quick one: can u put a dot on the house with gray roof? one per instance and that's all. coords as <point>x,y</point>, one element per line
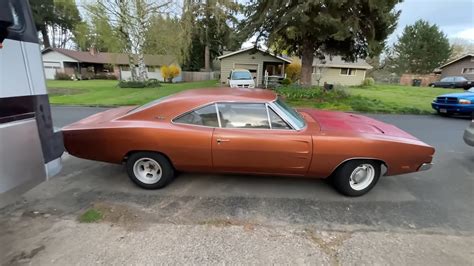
<point>334,70</point>
<point>88,64</point>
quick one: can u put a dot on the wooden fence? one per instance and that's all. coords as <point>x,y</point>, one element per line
<point>199,76</point>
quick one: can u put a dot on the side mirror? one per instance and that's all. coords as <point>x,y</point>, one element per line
<point>6,19</point>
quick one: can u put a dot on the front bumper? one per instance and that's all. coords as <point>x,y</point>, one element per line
<point>425,167</point>
<point>453,108</point>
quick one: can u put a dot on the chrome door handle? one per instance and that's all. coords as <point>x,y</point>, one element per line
<point>222,140</point>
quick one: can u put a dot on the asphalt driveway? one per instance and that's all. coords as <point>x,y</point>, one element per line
<point>440,199</point>
<point>434,203</point>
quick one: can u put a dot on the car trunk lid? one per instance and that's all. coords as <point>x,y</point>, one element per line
<point>100,118</point>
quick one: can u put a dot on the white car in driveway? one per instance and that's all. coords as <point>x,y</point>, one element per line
<point>241,78</point>
<point>469,134</point>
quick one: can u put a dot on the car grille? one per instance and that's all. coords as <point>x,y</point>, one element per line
<point>452,100</point>
<point>243,86</point>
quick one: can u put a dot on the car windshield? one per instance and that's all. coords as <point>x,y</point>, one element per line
<point>241,75</point>
<point>291,113</point>
<point>471,89</point>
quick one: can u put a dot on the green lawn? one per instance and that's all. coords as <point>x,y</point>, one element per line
<point>107,93</point>
<point>373,99</point>
<point>397,96</point>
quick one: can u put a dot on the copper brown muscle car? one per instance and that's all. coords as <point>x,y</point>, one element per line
<point>247,131</point>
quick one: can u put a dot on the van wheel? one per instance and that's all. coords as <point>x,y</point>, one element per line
<point>149,170</point>
<point>357,177</point>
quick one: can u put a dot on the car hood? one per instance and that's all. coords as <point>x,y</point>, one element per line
<point>469,95</point>
<point>331,121</point>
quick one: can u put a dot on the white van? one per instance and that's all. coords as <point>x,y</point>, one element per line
<point>30,149</point>
<point>241,78</point>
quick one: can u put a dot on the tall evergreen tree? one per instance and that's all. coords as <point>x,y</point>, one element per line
<point>351,29</point>
<point>421,48</point>
<point>209,29</point>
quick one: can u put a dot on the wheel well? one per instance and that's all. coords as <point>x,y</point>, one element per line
<point>383,170</point>
<point>135,151</point>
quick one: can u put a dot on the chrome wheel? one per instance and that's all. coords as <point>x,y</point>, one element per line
<point>362,177</point>
<point>147,170</point>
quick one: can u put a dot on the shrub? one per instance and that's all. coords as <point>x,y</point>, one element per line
<point>100,76</point>
<point>151,83</point>
<point>368,82</point>
<point>170,72</point>
<point>286,82</point>
<point>62,76</point>
<point>295,92</point>
<point>293,70</point>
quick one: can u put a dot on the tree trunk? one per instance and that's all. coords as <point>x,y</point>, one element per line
<point>44,33</point>
<point>142,74</point>
<point>307,64</point>
<point>207,58</point>
<point>132,65</point>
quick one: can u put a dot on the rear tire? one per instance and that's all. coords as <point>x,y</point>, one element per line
<point>149,170</point>
<point>357,177</point>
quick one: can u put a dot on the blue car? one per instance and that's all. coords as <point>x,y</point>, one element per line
<point>460,103</point>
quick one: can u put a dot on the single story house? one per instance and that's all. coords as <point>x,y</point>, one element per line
<point>87,64</point>
<point>461,66</point>
<point>334,70</point>
<point>256,60</point>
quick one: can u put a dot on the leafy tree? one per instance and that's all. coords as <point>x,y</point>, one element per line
<point>209,29</point>
<point>421,48</point>
<point>132,20</point>
<point>97,32</point>
<point>56,20</point>
<point>460,47</point>
<point>164,36</point>
<point>351,29</point>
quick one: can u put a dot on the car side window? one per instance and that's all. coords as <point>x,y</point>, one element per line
<point>243,115</point>
<point>276,121</point>
<point>460,79</point>
<point>205,116</point>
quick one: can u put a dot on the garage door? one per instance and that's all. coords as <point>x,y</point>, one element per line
<point>50,69</point>
<point>253,68</point>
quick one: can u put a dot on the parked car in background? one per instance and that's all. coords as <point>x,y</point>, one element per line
<point>249,132</point>
<point>460,103</point>
<point>469,134</point>
<point>453,82</point>
<point>241,78</point>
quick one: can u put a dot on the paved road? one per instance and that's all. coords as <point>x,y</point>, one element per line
<point>440,199</point>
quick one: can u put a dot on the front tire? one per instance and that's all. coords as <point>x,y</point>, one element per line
<point>356,178</point>
<point>149,170</point>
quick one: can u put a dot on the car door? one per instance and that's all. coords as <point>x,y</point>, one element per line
<point>247,143</point>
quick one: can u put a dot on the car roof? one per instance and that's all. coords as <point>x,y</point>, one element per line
<point>225,94</point>
<point>240,69</point>
<point>191,99</point>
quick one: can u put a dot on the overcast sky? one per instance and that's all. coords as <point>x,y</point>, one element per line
<point>454,17</point>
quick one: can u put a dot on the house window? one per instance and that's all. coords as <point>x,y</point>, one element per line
<point>348,72</point>
<point>151,69</point>
<point>125,68</point>
<point>468,70</point>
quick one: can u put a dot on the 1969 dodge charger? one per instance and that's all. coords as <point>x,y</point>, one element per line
<point>246,131</point>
